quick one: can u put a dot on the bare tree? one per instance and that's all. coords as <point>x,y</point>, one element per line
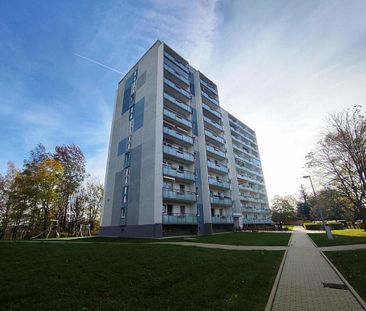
<point>340,158</point>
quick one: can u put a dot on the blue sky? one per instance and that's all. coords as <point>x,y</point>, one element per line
<point>280,66</point>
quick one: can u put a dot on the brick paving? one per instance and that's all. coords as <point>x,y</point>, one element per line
<point>300,286</point>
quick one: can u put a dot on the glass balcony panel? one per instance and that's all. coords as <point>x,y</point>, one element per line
<point>176,74</point>
<point>178,153</point>
<point>214,137</point>
<point>216,151</point>
<point>179,64</point>
<point>222,219</point>
<point>219,183</point>
<point>185,175</point>
<point>213,90</point>
<point>178,103</point>
<point>183,121</point>
<point>181,137</point>
<point>176,195</point>
<point>217,167</point>
<point>212,100</point>
<point>177,88</point>
<point>214,112</point>
<point>214,124</point>
<point>180,219</point>
<point>216,200</point>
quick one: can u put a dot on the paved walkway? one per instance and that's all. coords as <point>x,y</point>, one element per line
<point>300,286</point>
<point>342,247</point>
<point>227,247</point>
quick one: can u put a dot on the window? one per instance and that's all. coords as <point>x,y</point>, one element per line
<point>127,156</point>
<point>182,209</point>
<point>181,188</point>
<point>163,208</point>
<point>221,211</point>
<point>131,112</point>
<point>127,171</point>
<point>130,129</point>
<point>169,209</point>
<point>124,199</point>
<point>181,168</point>
<point>123,212</point>
<point>126,179</point>
<point>125,189</point>
<point>168,185</point>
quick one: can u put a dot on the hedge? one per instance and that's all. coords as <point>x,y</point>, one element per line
<point>319,226</point>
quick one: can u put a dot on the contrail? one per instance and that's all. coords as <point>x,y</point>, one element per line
<point>98,63</point>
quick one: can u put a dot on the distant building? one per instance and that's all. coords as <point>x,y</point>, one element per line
<point>178,163</point>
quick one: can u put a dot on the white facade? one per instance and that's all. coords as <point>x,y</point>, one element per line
<point>178,163</point>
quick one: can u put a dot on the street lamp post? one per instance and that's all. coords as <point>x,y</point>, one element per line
<point>326,228</point>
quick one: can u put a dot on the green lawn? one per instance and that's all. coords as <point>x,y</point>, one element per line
<point>102,276</point>
<point>341,237</point>
<point>352,265</point>
<point>234,238</point>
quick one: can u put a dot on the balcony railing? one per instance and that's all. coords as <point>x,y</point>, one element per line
<point>222,219</point>
<point>215,137</point>
<point>181,137</point>
<point>214,112</point>
<point>187,156</point>
<point>176,74</point>
<point>212,100</point>
<point>219,183</point>
<point>185,175</point>
<point>213,90</point>
<point>250,162</point>
<point>216,200</point>
<point>214,124</point>
<point>244,168</point>
<point>177,88</point>
<point>179,64</point>
<point>172,116</point>
<point>216,151</point>
<point>247,221</point>
<point>217,167</point>
<point>178,103</point>
<point>177,195</point>
<point>180,219</point>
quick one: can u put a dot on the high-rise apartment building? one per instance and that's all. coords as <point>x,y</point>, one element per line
<point>178,163</point>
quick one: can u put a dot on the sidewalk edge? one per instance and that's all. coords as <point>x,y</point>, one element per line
<point>351,289</point>
<point>275,284</point>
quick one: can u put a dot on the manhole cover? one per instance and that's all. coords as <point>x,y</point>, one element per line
<point>335,285</point>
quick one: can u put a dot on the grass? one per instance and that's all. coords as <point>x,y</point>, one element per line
<point>102,276</point>
<point>352,266</point>
<point>234,238</point>
<point>341,237</point>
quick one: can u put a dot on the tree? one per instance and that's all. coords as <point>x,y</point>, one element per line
<point>73,161</point>
<point>283,209</point>
<point>303,207</point>
<point>94,192</point>
<point>339,160</point>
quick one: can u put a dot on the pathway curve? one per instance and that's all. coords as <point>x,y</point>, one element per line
<point>301,282</point>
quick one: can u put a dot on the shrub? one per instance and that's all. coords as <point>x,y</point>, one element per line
<point>313,226</point>
<point>334,225</point>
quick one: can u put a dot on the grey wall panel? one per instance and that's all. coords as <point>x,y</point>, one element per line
<point>117,198</point>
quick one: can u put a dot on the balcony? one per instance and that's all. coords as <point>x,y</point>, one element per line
<point>209,98</point>
<point>213,125</point>
<point>246,178</point>
<point>244,168</point>
<point>176,75</point>
<point>250,162</point>
<point>177,136</point>
<point>179,196</point>
<point>216,219</point>
<point>176,104</point>
<point>223,201</point>
<point>212,137</point>
<point>216,152</point>
<point>175,153</point>
<point>217,167</point>
<point>212,111</point>
<point>178,91</point>
<point>176,62</point>
<point>257,221</point>
<point>221,184</point>
<point>177,174</point>
<point>183,122</point>
<point>179,219</point>
<point>213,90</point>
